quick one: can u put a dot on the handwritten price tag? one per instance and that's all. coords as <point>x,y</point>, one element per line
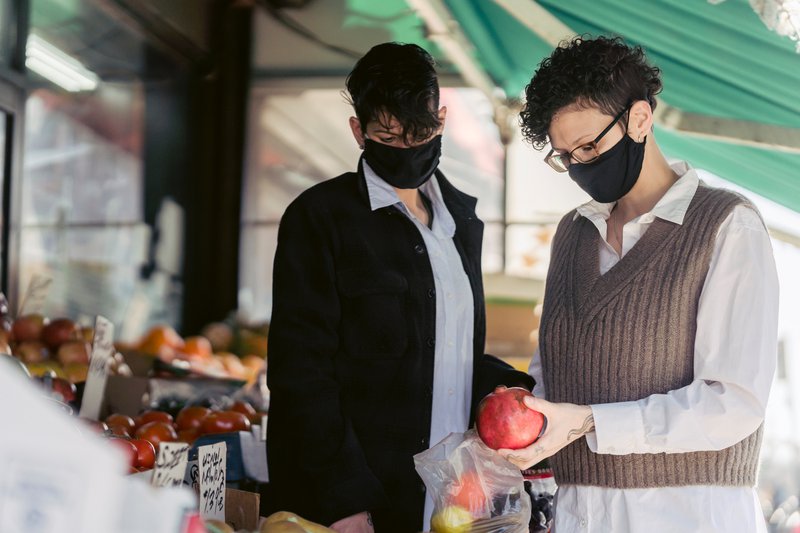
<point>102,351</point>
<point>170,468</point>
<point>212,460</point>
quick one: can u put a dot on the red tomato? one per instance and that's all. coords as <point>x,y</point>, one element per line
<point>188,435</point>
<point>256,418</point>
<point>94,425</point>
<point>225,422</point>
<point>243,407</point>
<point>157,432</point>
<point>117,419</point>
<point>119,430</point>
<point>153,416</point>
<point>191,417</point>
<point>127,448</point>
<point>145,453</point>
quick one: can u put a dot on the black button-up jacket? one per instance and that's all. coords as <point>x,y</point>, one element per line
<point>351,353</point>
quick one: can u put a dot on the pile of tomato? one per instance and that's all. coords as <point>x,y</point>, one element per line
<point>140,436</point>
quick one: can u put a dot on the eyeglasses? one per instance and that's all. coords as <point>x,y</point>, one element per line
<point>585,153</point>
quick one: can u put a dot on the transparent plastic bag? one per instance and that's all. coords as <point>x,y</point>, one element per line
<point>473,488</point>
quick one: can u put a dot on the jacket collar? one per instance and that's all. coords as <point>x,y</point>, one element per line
<point>460,205</point>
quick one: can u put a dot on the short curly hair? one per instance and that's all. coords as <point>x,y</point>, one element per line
<point>602,72</point>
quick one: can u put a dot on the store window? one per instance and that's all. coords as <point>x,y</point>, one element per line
<point>300,137</point>
<point>82,220</point>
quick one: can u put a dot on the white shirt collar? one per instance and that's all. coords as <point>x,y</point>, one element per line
<point>381,195</point>
<point>671,207</point>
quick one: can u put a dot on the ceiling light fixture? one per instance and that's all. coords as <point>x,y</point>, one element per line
<point>60,68</point>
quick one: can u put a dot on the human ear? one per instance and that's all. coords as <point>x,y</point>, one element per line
<point>355,127</point>
<point>640,122</point>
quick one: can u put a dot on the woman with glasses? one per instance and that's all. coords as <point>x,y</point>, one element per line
<point>657,343</point>
<point>378,327</point>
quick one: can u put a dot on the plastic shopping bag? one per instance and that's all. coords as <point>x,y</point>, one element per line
<point>473,488</point>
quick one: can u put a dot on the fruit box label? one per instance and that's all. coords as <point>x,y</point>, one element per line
<point>212,461</point>
<point>170,467</point>
<point>102,351</point>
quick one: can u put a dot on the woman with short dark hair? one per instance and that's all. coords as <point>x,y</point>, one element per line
<point>658,337</point>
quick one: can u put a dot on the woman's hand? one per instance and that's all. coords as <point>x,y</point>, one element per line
<point>357,523</point>
<point>566,422</point>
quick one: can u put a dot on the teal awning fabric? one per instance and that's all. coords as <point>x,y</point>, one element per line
<point>717,60</point>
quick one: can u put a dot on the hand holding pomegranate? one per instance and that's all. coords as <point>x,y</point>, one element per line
<point>566,422</point>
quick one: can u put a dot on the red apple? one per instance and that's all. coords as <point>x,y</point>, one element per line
<point>28,328</point>
<point>74,352</point>
<point>59,331</point>
<point>504,421</point>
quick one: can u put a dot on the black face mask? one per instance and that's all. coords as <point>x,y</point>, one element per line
<point>612,175</point>
<point>404,168</point>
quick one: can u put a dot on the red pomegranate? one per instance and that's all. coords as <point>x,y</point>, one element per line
<point>504,421</point>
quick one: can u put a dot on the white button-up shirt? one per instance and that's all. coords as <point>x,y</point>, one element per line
<point>734,363</point>
<point>452,370</point>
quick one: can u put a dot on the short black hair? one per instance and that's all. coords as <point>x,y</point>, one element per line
<point>398,79</point>
<point>602,72</point>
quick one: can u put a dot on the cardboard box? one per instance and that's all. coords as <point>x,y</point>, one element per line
<point>241,509</point>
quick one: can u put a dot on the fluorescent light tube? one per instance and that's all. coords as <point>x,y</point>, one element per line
<point>64,70</point>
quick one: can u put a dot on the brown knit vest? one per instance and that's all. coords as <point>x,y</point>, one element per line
<point>629,334</point>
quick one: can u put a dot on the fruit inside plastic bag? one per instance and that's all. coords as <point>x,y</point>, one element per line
<point>473,488</point>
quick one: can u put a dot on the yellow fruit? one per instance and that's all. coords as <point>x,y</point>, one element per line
<point>452,519</point>
<point>282,519</point>
<point>284,526</point>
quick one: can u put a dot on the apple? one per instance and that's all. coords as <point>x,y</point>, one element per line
<point>504,421</point>
<point>468,492</point>
<point>452,519</point>
<point>28,328</point>
<point>32,352</point>
<point>59,331</point>
<point>74,352</point>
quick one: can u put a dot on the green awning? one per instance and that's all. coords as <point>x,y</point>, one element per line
<point>717,60</point>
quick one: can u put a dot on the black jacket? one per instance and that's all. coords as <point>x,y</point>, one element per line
<point>351,352</point>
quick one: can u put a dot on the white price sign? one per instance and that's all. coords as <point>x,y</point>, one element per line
<point>212,461</point>
<point>170,467</point>
<point>102,351</point>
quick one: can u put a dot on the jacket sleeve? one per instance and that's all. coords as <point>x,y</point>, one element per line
<point>315,434</point>
<point>493,372</point>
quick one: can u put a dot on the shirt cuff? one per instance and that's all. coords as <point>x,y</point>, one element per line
<point>618,429</point>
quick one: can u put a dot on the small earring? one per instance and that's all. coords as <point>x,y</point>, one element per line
<point>640,138</point>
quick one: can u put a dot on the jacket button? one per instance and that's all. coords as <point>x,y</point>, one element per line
<point>419,249</point>
<point>431,293</point>
<point>431,343</point>
<point>422,488</point>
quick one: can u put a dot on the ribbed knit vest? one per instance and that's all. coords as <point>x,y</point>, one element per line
<point>629,334</point>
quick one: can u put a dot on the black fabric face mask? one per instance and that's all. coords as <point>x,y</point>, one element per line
<point>613,174</point>
<point>404,168</point>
